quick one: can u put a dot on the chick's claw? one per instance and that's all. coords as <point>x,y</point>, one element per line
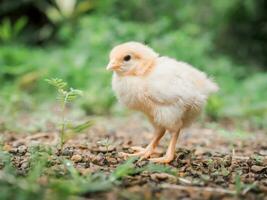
<point>162,160</point>
<point>137,148</point>
<point>143,153</point>
<point>130,154</point>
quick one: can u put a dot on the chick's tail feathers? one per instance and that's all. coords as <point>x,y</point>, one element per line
<point>210,86</point>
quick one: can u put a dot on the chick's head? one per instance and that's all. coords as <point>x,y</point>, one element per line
<point>132,59</point>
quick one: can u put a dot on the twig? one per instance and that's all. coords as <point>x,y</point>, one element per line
<point>185,181</point>
<point>199,189</point>
<point>241,157</point>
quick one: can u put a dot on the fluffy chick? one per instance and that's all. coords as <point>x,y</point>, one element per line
<point>170,93</point>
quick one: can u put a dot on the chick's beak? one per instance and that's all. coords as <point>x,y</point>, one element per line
<point>113,65</point>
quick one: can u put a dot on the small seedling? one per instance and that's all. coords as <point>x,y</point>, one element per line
<point>105,143</point>
<point>65,96</point>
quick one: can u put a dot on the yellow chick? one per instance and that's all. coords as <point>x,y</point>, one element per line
<point>170,93</point>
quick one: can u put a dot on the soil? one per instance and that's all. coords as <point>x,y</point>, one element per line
<point>211,162</point>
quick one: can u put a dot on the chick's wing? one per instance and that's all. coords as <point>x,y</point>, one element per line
<point>168,85</point>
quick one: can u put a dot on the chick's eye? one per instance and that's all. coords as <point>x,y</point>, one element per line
<point>127,58</point>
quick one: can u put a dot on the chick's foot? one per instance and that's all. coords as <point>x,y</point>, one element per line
<point>162,160</point>
<point>141,152</point>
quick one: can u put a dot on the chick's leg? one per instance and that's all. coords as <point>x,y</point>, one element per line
<point>169,156</point>
<point>146,152</point>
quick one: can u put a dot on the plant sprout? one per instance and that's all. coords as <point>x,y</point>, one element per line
<point>105,142</point>
<point>67,95</point>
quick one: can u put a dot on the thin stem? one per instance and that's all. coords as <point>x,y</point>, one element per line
<point>62,132</point>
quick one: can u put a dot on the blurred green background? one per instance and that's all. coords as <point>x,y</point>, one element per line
<point>71,39</point>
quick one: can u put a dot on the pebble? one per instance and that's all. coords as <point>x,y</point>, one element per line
<point>256,168</point>
<point>67,152</point>
<point>112,161</point>
<point>76,158</point>
<point>24,165</point>
<point>142,163</point>
<point>99,159</point>
<point>104,149</point>
<point>160,176</point>
<point>84,171</point>
<point>83,165</point>
<point>22,149</point>
<point>263,152</point>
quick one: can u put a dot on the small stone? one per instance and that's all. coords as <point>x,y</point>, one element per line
<point>76,158</point>
<point>53,160</point>
<point>104,149</point>
<point>94,168</point>
<point>256,168</point>
<point>67,152</point>
<point>24,165</point>
<point>142,163</point>
<point>145,174</point>
<point>22,149</point>
<point>82,165</point>
<point>85,171</point>
<point>99,159</point>
<point>263,152</point>
<point>160,176</point>
<point>112,161</point>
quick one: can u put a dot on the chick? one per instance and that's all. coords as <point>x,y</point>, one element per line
<point>170,93</point>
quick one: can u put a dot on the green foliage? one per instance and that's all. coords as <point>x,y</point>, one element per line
<point>246,36</point>
<point>76,184</point>
<point>156,168</point>
<point>64,96</point>
<point>14,186</point>
<point>40,183</point>
<point>9,31</point>
<point>125,169</point>
<point>242,188</point>
<point>30,186</point>
<point>128,168</point>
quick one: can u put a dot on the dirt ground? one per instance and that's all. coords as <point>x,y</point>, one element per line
<point>210,163</point>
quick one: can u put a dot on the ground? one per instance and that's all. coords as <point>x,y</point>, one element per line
<point>211,162</point>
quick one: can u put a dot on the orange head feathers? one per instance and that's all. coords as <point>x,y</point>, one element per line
<point>132,59</point>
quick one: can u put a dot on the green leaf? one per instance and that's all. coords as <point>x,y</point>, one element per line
<point>127,168</point>
<point>151,167</point>
<point>57,83</point>
<point>19,25</point>
<point>81,127</point>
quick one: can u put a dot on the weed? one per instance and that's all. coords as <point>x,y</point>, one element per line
<point>242,188</point>
<point>125,169</point>
<point>65,96</point>
<point>105,142</point>
<point>9,32</point>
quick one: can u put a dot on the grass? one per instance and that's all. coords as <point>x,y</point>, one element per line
<point>41,181</point>
<point>33,170</point>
